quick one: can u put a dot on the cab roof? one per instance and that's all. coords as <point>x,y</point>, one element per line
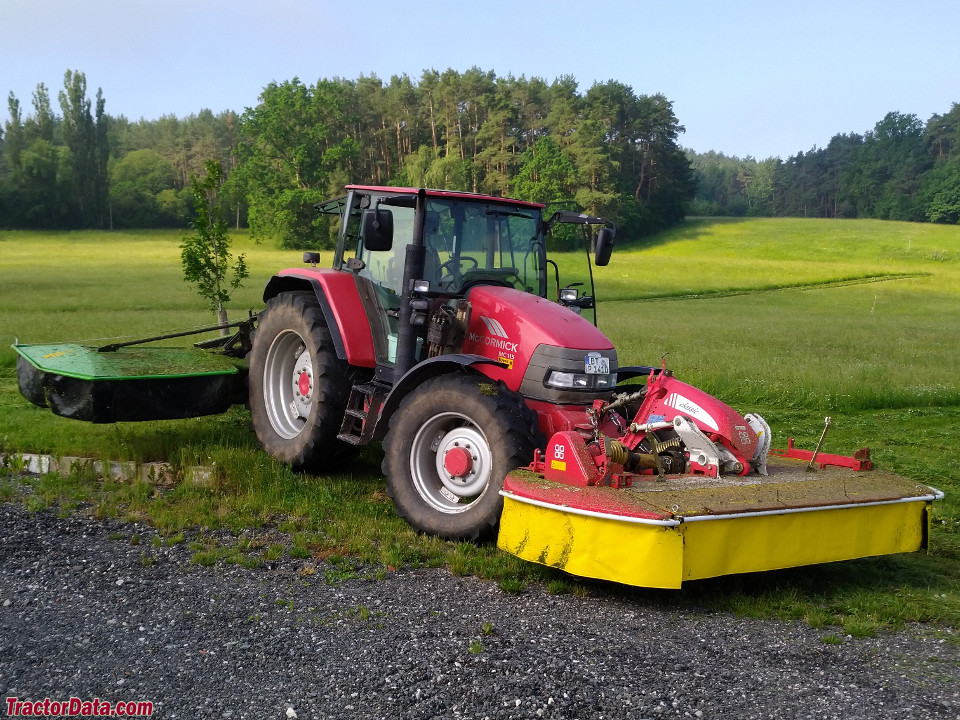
<point>444,194</point>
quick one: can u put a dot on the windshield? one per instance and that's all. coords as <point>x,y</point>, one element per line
<point>468,242</point>
<point>474,242</point>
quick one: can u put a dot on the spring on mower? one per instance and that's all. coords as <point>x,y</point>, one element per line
<point>666,445</point>
<point>617,452</point>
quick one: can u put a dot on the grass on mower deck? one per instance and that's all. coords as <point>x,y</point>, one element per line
<point>795,319</point>
<point>138,361</point>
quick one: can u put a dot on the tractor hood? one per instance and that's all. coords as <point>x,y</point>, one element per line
<point>529,337</point>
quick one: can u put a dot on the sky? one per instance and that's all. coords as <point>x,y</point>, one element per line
<point>746,78</point>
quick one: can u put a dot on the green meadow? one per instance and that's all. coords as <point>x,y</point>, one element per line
<point>796,319</point>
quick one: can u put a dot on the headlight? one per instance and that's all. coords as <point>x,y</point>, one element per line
<point>579,381</point>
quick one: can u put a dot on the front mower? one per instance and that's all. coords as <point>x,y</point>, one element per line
<point>688,489</point>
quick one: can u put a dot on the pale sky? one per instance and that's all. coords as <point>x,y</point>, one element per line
<point>762,78</point>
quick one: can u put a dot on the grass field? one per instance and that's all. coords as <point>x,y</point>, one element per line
<point>795,319</point>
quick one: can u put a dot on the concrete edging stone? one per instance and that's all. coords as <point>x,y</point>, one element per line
<point>126,471</point>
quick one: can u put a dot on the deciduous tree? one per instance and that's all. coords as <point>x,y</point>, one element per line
<point>205,254</point>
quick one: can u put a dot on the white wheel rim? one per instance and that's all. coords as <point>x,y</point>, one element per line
<point>288,384</point>
<point>438,488</point>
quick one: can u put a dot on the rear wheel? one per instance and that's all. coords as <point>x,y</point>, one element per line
<point>298,386</point>
<point>450,445</point>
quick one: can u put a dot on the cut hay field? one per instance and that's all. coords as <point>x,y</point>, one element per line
<point>795,319</point>
<point>816,314</point>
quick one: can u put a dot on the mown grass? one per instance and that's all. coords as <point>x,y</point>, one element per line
<point>706,256</point>
<point>795,319</point>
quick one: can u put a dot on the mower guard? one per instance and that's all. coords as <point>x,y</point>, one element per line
<point>127,384</point>
<point>660,534</point>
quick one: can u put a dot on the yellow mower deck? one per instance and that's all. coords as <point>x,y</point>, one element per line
<point>660,534</point>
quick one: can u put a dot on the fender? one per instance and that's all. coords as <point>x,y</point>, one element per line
<point>341,305</point>
<point>433,367</point>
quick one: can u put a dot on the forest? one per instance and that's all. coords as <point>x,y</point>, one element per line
<point>606,151</point>
<point>902,169</point>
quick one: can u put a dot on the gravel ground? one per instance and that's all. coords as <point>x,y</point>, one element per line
<point>81,615</point>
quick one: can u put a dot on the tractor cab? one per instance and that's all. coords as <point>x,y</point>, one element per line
<point>467,240</point>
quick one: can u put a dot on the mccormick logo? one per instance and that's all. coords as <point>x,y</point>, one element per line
<point>494,327</point>
<point>500,339</point>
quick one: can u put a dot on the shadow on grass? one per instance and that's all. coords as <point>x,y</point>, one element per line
<point>692,228</point>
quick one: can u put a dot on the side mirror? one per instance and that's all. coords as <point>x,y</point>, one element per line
<point>604,245</point>
<point>377,229</point>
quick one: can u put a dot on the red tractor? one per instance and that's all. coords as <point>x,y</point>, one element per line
<point>435,337</point>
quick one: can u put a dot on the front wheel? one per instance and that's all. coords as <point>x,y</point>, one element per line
<point>449,447</point>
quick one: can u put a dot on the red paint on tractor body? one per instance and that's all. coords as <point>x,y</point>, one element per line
<point>558,418</point>
<point>340,291</point>
<point>508,325</point>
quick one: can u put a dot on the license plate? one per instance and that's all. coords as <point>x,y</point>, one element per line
<point>596,364</point>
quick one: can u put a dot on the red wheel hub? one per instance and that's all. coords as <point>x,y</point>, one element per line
<point>458,461</point>
<point>303,384</point>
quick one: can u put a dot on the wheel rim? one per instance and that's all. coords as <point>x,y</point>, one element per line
<point>446,444</point>
<point>288,384</point>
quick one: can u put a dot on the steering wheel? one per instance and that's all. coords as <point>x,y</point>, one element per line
<point>450,270</point>
<point>453,264</point>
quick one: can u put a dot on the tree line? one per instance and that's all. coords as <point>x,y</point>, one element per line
<point>606,151</point>
<point>83,168</point>
<point>902,169</point>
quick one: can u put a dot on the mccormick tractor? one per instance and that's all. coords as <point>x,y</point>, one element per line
<point>436,333</point>
<point>442,345</point>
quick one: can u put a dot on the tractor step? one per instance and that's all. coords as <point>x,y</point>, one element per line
<point>364,399</point>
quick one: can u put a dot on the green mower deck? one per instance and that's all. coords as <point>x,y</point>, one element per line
<point>128,384</point>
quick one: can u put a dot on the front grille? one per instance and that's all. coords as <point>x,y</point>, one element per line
<point>547,358</point>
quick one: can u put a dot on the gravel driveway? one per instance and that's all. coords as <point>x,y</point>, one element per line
<point>83,616</point>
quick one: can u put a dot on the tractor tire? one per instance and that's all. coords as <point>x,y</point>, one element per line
<point>298,388</point>
<point>449,446</point>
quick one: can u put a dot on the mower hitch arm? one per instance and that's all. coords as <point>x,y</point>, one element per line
<point>113,347</point>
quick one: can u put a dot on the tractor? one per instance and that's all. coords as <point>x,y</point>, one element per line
<point>433,334</point>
